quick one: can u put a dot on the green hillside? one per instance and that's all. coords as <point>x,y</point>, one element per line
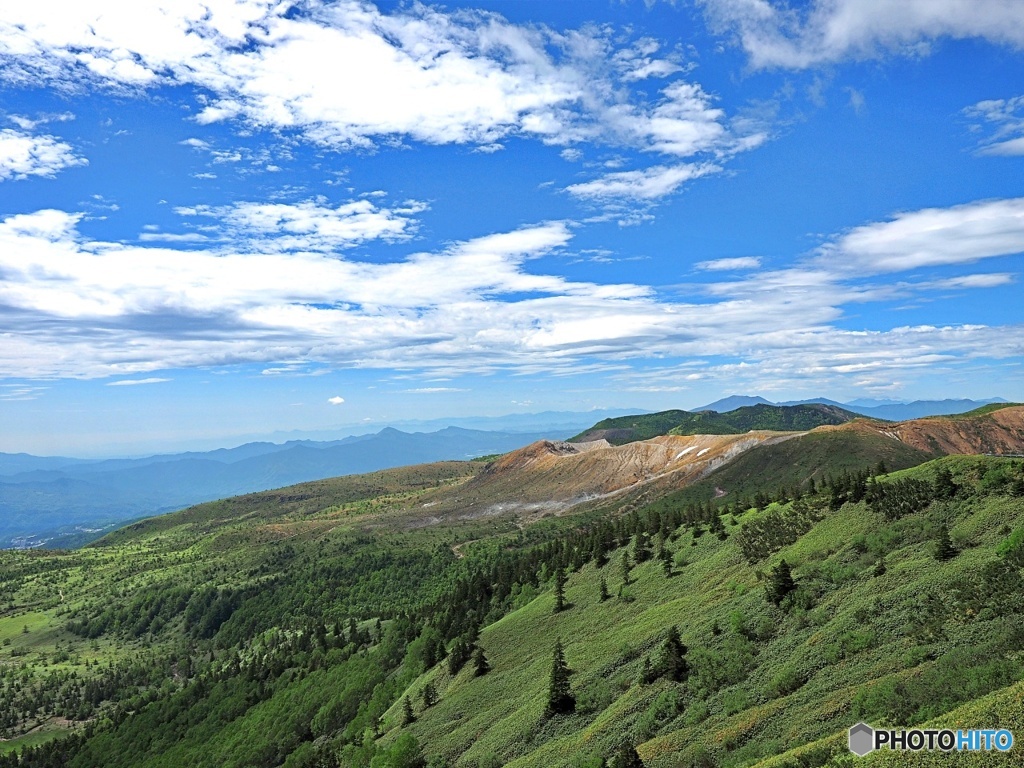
<point>338,624</point>
<point>903,646</point>
<point>780,418</point>
<point>625,429</point>
<point>795,463</point>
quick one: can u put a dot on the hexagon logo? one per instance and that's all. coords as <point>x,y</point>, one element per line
<point>862,739</point>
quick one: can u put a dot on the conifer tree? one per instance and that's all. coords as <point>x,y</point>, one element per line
<point>673,657</point>
<point>648,674</point>
<point>407,714</point>
<point>559,590</point>
<point>604,590</point>
<point>560,697</point>
<point>642,548</point>
<point>458,657</point>
<point>880,567</point>
<point>666,559</point>
<point>944,549</point>
<point>625,566</point>
<point>782,582</point>
<point>480,664</point>
<point>717,527</point>
<point>944,486</point>
<point>429,695</point>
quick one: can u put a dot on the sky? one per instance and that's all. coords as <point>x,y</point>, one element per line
<point>230,218</point>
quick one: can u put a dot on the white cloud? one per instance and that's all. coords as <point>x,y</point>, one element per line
<point>75,307</point>
<point>345,73</point>
<point>987,280</point>
<point>639,62</point>
<point>348,75</point>
<point>1007,148</point>
<point>23,155</point>
<point>30,124</point>
<point>135,382</point>
<point>336,400</point>
<point>433,390</point>
<point>739,262</point>
<point>648,184</point>
<point>775,34</point>
<point>312,225</point>
<point>20,392</point>
<point>168,237</point>
<point>1003,119</point>
<point>931,237</point>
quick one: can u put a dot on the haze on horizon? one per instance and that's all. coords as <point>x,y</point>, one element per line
<point>235,217</point>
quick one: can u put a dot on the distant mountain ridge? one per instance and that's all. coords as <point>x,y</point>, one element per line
<point>890,410</point>
<point>47,499</point>
<point>762,416</point>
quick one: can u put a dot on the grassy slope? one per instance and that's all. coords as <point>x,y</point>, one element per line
<point>232,543</point>
<point>793,462</point>
<point>738,722</point>
<point>860,633</point>
<point>982,411</point>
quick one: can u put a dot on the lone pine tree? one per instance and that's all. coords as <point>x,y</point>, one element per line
<point>559,590</point>
<point>480,664</point>
<point>560,697</point>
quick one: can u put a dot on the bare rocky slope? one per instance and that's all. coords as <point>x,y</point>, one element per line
<point>548,477</point>
<point>551,476</point>
<point>998,432</point>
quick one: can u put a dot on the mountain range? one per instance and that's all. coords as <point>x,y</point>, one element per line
<point>62,502</point>
<point>890,410</point>
<point>732,600</point>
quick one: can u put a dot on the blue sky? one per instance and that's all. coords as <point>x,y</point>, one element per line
<point>235,217</point>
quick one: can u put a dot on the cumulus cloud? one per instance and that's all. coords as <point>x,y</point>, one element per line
<point>775,34</point>
<point>348,75</point>
<point>76,307</point>
<point>336,400</point>
<point>23,155</point>
<point>311,225</point>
